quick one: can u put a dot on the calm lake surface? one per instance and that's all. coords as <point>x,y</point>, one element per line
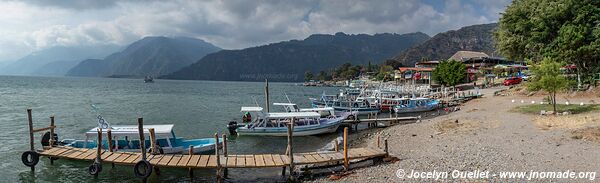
<point>197,108</point>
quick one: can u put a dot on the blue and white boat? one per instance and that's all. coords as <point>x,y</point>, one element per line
<point>126,139</point>
<point>258,122</point>
<point>409,105</point>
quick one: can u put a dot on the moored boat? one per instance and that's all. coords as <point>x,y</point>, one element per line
<point>126,139</point>
<point>416,105</point>
<point>258,122</point>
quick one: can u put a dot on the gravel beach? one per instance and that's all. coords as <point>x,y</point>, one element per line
<point>485,135</point>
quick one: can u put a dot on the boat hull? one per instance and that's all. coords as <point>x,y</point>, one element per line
<point>282,131</point>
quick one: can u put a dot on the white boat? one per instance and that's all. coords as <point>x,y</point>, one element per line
<point>126,139</point>
<point>258,122</point>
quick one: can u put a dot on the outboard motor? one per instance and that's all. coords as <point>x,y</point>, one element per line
<point>46,139</point>
<point>232,126</point>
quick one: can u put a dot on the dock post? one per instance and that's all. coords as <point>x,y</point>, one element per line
<point>110,143</point>
<point>267,95</point>
<point>52,136</point>
<point>346,163</point>
<point>336,145</point>
<point>191,152</point>
<point>98,162</point>
<point>378,141</point>
<point>290,132</point>
<point>52,131</point>
<point>152,141</point>
<point>224,137</point>
<point>218,157</point>
<point>142,139</point>
<point>155,149</point>
<point>387,153</point>
<point>31,147</point>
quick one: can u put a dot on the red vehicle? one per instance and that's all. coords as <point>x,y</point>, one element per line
<point>512,81</point>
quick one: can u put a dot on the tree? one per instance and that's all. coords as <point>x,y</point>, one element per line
<point>548,78</point>
<point>566,30</point>
<point>449,72</point>
<point>308,76</point>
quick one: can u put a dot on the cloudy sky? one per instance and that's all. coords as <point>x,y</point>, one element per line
<point>30,25</point>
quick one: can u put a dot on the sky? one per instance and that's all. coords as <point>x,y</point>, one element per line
<point>31,25</point>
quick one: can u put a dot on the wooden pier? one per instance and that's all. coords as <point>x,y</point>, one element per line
<point>209,161</point>
<point>144,162</point>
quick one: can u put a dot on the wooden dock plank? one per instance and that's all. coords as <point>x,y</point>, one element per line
<point>175,160</point>
<point>203,162</point>
<point>59,152</point>
<point>259,160</point>
<point>133,158</point>
<point>309,158</point>
<point>318,158</point>
<point>240,161</point>
<point>113,156</point>
<point>269,160</point>
<point>229,161</point>
<point>49,152</point>
<point>90,155</point>
<point>155,159</point>
<point>184,160</point>
<point>277,160</point>
<point>165,160</point>
<point>212,161</point>
<point>105,155</point>
<point>193,161</point>
<point>286,159</point>
<point>250,161</point>
<point>76,153</point>
<point>122,158</point>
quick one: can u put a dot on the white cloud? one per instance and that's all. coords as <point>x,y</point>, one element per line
<point>32,25</point>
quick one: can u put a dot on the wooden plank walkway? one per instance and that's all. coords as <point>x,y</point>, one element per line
<point>209,161</point>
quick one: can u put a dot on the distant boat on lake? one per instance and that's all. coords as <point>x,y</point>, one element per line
<point>148,79</point>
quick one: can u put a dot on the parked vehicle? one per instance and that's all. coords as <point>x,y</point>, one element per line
<point>512,81</point>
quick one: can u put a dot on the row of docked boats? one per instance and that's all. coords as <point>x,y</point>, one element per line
<point>326,114</point>
<point>374,101</point>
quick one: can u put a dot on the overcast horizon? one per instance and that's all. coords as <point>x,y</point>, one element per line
<point>32,25</point>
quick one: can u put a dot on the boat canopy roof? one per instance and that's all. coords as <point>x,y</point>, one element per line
<point>317,109</point>
<point>284,104</point>
<point>251,109</point>
<point>285,115</point>
<point>132,130</point>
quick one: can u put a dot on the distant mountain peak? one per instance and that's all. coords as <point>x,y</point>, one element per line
<point>443,45</point>
<point>152,55</point>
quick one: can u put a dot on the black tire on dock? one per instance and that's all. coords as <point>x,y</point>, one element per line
<point>30,158</point>
<point>142,169</point>
<point>95,168</point>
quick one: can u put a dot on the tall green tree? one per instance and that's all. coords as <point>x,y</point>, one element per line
<point>308,75</point>
<point>567,30</point>
<point>450,72</point>
<point>548,78</point>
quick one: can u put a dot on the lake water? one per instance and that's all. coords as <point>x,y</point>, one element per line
<point>197,108</point>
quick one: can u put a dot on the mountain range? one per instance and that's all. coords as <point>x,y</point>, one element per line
<point>289,60</point>
<point>55,61</point>
<point>150,56</point>
<point>444,45</point>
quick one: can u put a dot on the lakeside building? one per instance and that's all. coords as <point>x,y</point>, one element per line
<point>477,63</point>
